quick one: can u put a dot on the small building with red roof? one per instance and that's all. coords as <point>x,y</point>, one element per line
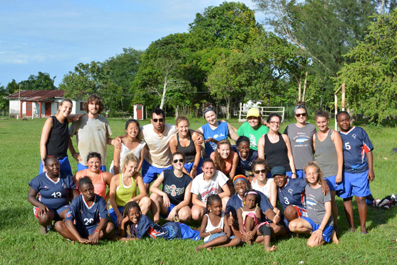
<point>39,103</point>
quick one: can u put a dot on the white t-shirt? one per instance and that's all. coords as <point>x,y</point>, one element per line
<point>265,189</point>
<point>159,154</point>
<point>204,188</point>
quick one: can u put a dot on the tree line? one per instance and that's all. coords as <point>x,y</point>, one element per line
<point>227,57</point>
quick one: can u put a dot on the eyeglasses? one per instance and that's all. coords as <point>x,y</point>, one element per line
<point>158,120</point>
<point>300,115</point>
<point>260,171</point>
<point>275,122</point>
<point>176,160</point>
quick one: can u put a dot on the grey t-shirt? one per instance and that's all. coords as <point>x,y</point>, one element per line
<point>315,204</point>
<point>301,143</point>
<point>91,135</point>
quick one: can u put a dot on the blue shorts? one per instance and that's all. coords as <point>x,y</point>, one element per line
<point>327,232</point>
<point>300,173</point>
<point>150,172</point>
<point>113,215</point>
<point>57,212</point>
<point>188,166</point>
<point>82,167</point>
<point>63,162</point>
<point>168,211</point>
<point>85,230</point>
<point>216,235</point>
<point>333,186</point>
<point>356,184</point>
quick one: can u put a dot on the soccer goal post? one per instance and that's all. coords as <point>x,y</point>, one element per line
<point>343,89</point>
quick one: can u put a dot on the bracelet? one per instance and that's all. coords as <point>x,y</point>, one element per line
<point>97,231</point>
<point>293,173</point>
<point>210,233</point>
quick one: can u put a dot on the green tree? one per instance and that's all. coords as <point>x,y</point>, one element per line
<point>41,81</point>
<point>371,81</point>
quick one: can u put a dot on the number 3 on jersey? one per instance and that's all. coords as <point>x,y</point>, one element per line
<point>347,146</point>
<point>286,200</point>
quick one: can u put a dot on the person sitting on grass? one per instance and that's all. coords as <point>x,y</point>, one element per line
<point>246,155</point>
<point>55,190</point>
<point>319,222</point>
<point>89,213</point>
<point>290,194</point>
<point>241,185</point>
<point>172,202</point>
<point>136,226</point>
<point>214,227</point>
<point>124,187</point>
<point>249,217</point>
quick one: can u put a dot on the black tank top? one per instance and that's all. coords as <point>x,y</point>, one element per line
<point>58,140</point>
<point>276,154</point>
<point>189,151</point>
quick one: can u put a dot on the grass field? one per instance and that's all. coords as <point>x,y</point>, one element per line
<point>21,242</point>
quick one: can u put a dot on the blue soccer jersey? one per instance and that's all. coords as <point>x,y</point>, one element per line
<point>220,133</point>
<point>53,194</point>
<point>245,164</point>
<point>356,144</point>
<point>87,216</point>
<point>293,193</point>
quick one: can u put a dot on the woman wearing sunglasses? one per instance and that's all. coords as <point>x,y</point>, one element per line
<point>300,135</point>
<point>261,182</point>
<point>172,202</point>
<point>277,147</point>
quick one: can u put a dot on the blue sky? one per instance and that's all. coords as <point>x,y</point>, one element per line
<point>54,36</point>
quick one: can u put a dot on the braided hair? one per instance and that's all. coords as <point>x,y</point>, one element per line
<point>213,198</point>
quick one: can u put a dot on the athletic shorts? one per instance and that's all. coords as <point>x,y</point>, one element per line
<point>150,173</point>
<point>188,166</point>
<point>63,162</point>
<point>82,167</point>
<point>164,216</point>
<point>327,232</point>
<point>113,215</point>
<point>85,230</point>
<point>356,184</point>
<point>299,173</point>
<point>333,186</point>
<point>216,235</point>
<point>57,212</point>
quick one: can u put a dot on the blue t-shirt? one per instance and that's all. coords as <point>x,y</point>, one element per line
<point>84,215</point>
<point>293,193</point>
<point>245,165</point>
<point>356,144</point>
<point>175,187</point>
<point>220,133</point>
<point>52,194</point>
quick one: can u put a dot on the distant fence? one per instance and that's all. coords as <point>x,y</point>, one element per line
<point>4,112</point>
<point>266,111</point>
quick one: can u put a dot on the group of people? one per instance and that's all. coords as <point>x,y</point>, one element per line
<point>267,185</point>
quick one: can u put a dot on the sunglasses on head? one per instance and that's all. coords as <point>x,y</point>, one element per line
<point>260,171</point>
<point>176,160</point>
<point>300,115</point>
<point>158,120</point>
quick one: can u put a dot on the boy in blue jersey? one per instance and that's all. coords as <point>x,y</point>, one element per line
<point>86,220</point>
<point>358,169</point>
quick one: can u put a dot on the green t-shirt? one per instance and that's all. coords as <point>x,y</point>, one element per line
<point>254,135</point>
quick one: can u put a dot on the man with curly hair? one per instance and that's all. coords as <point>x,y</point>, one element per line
<point>92,132</point>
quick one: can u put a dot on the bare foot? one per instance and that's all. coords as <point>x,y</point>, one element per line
<point>43,230</point>
<point>209,249</point>
<point>334,238</point>
<point>198,249</point>
<point>270,249</point>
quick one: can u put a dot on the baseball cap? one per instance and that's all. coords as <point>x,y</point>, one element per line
<point>253,112</point>
<point>278,171</point>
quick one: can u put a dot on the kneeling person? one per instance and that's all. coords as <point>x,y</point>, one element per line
<point>89,212</point>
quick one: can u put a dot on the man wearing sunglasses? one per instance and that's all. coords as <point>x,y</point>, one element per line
<point>300,135</point>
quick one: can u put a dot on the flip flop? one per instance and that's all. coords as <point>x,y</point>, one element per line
<point>364,233</point>
<point>351,230</point>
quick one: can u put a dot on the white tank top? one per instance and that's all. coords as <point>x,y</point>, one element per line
<point>265,189</point>
<point>125,150</point>
<point>210,227</point>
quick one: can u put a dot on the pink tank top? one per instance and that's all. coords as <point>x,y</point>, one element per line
<point>99,186</point>
<point>227,163</point>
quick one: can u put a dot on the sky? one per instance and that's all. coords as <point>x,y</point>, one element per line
<point>54,36</point>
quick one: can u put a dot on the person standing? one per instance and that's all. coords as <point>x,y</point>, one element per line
<point>300,135</point>
<point>253,128</point>
<point>92,133</point>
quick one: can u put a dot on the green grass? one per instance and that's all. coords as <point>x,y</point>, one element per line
<point>21,242</point>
